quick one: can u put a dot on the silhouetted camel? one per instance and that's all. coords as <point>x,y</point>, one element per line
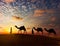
<point>11,30</point>
<point>50,31</point>
<point>38,30</point>
<point>21,28</point>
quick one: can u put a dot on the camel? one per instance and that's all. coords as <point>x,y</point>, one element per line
<point>50,31</point>
<point>21,28</point>
<point>38,30</point>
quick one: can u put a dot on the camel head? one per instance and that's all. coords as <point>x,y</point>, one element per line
<point>15,26</point>
<point>33,27</point>
<point>45,29</point>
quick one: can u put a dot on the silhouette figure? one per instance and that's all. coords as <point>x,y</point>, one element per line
<point>38,30</point>
<point>21,28</point>
<point>50,31</point>
<point>32,31</point>
<point>11,30</point>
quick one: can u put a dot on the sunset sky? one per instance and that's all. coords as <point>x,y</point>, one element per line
<point>30,13</point>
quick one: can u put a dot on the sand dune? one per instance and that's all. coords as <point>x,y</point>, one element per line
<point>27,40</point>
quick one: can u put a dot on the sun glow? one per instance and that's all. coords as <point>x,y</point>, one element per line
<point>7,30</point>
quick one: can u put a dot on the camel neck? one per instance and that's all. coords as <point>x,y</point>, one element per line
<point>35,28</point>
<point>17,27</point>
<point>46,30</point>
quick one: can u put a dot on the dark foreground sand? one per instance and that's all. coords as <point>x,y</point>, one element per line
<point>27,40</point>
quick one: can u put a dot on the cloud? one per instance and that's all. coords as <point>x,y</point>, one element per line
<point>1,27</point>
<point>44,12</point>
<point>53,18</point>
<point>1,14</point>
<point>39,12</point>
<point>51,25</point>
<point>8,1</point>
<point>16,18</point>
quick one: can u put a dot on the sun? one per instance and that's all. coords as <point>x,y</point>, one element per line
<point>7,29</point>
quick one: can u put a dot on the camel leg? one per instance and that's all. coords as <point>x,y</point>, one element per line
<point>42,33</point>
<point>54,35</point>
<point>26,32</point>
<point>18,32</point>
<point>48,34</point>
<point>21,32</point>
<point>37,33</point>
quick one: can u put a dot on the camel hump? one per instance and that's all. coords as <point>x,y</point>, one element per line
<point>39,28</point>
<point>52,30</point>
<point>22,26</point>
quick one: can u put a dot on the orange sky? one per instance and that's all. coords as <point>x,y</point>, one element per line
<point>19,13</point>
<point>8,1</point>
